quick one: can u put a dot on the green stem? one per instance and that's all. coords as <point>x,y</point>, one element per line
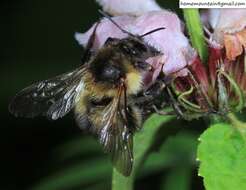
<point>237,91</point>
<point>142,142</point>
<point>118,180</point>
<point>195,29</point>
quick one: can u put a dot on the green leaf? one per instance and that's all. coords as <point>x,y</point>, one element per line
<point>195,29</point>
<point>222,155</point>
<point>176,151</point>
<point>142,142</point>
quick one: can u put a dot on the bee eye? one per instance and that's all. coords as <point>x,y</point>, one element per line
<point>128,50</point>
<point>140,47</point>
<point>110,73</point>
<point>133,52</point>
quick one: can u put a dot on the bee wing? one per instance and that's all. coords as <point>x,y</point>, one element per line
<point>116,134</point>
<point>52,98</point>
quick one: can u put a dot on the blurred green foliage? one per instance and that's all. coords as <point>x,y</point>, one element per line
<point>176,155</point>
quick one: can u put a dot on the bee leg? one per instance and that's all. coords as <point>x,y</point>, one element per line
<point>88,48</point>
<point>155,89</point>
<point>143,100</point>
<point>162,112</point>
<point>175,104</point>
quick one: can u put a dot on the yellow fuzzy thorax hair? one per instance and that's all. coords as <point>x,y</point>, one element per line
<point>133,82</point>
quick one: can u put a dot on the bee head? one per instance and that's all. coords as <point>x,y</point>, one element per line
<point>134,49</point>
<point>137,51</point>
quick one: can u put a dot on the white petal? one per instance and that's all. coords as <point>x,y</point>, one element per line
<point>129,7</point>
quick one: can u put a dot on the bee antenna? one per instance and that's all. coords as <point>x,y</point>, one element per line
<point>152,31</point>
<point>118,26</point>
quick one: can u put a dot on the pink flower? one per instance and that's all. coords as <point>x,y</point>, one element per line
<point>219,86</point>
<point>177,52</point>
<point>229,27</point>
<point>171,42</point>
<point>228,43</point>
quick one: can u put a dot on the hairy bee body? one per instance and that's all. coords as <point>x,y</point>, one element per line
<point>101,92</point>
<point>105,107</point>
<point>100,85</point>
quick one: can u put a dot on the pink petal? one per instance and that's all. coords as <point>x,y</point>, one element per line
<point>227,21</point>
<point>157,65</point>
<point>241,36</point>
<point>231,20</point>
<point>129,7</point>
<point>232,46</point>
<point>210,17</point>
<point>105,30</point>
<point>171,41</point>
<point>229,30</point>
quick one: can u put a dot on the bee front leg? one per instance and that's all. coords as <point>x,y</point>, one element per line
<point>153,100</point>
<point>162,112</point>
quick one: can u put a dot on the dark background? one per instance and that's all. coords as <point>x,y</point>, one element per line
<point>37,43</point>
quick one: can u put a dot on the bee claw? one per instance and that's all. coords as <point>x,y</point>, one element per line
<point>161,112</point>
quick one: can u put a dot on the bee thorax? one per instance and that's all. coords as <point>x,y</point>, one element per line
<point>133,82</point>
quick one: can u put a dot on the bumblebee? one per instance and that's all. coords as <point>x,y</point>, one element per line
<point>101,93</point>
